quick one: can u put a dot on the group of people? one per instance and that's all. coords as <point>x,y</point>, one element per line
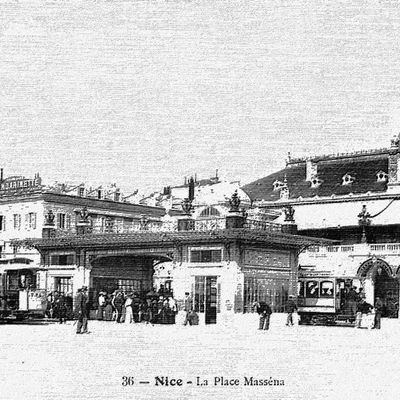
<point>59,306</point>
<point>370,314</point>
<point>355,305</point>
<point>130,307</point>
<point>264,310</point>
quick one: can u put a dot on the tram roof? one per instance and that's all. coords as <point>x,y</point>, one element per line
<point>148,238</point>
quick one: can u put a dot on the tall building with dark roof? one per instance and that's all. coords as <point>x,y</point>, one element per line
<point>353,198</point>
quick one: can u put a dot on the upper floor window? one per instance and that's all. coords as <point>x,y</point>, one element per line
<point>81,191</point>
<point>62,259</point>
<point>17,221</point>
<point>278,185</point>
<point>206,256</point>
<point>316,182</point>
<point>348,179</point>
<point>381,176</point>
<point>31,220</point>
<point>2,222</point>
<point>210,212</point>
<point>61,220</point>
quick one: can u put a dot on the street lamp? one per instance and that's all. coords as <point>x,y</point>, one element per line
<point>364,220</point>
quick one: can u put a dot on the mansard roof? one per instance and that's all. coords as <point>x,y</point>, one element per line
<point>330,170</point>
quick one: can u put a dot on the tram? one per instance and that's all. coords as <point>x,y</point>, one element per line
<point>325,300</point>
<point>19,296</point>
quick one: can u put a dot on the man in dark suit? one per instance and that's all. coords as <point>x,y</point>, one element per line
<point>81,310</point>
<point>378,312</point>
<point>264,311</point>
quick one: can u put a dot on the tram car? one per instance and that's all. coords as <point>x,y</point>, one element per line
<point>19,296</point>
<point>327,300</point>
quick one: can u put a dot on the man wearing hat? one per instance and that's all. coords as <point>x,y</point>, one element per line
<point>291,307</point>
<point>81,310</point>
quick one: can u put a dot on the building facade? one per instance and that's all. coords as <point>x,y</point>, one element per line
<point>352,198</point>
<point>225,270</point>
<point>25,205</point>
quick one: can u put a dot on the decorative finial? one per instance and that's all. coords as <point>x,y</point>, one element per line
<point>187,206</point>
<point>49,218</point>
<point>234,202</point>
<point>289,214</point>
<point>84,214</point>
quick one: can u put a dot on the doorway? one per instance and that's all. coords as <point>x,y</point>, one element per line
<point>206,295</point>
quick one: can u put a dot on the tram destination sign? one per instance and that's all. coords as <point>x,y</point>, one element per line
<point>19,183</point>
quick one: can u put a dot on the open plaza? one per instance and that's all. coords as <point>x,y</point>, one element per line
<point>225,361</point>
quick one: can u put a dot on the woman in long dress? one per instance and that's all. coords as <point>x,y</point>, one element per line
<point>128,310</point>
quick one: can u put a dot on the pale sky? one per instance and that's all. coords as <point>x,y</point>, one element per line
<point>142,93</point>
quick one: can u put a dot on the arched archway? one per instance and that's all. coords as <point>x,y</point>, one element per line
<point>381,281</point>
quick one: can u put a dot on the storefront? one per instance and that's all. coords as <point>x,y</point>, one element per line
<point>225,271</point>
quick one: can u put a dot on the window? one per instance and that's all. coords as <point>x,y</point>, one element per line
<point>99,194</point>
<point>32,220</point>
<point>300,289</point>
<point>347,179</point>
<point>81,192</point>
<point>210,212</point>
<point>316,182</point>
<point>17,221</point>
<point>61,220</point>
<point>108,225</point>
<point>278,185</point>
<point>63,285</point>
<point>326,289</point>
<point>68,221</point>
<point>312,289</point>
<point>62,259</point>
<point>206,256</point>
<point>381,176</point>
<point>2,223</point>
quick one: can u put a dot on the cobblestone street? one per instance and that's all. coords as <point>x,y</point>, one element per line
<point>52,362</point>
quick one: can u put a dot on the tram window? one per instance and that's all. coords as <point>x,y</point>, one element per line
<point>326,289</point>
<point>300,289</point>
<point>312,289</point>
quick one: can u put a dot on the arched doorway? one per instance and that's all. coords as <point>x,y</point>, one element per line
<point>379,281</point>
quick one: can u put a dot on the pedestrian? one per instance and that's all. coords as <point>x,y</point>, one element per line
<point>352,298</point>
<point>378,313</point>
<point>101,304</point>
<point>81,310</point>
<point>188,307</point>
<point>117,303</point>
<point>264,311</point>
<point>128,310</point>
<point>61,307</point>
<point>291,307</point>
<point>363,309</point>
<point>108,309</point>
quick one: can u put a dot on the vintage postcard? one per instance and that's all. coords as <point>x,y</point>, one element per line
<point>199,199</point>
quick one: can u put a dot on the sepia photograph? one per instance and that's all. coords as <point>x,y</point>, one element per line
<point>199,199</point>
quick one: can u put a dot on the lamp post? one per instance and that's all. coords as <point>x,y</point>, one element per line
<point>364,220</point>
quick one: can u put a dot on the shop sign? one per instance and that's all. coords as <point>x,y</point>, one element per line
<point>20,182</point>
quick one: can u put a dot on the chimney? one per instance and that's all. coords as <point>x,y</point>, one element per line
<point>311,169</point>
<point>1,175</point>
<point>191,189</point>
